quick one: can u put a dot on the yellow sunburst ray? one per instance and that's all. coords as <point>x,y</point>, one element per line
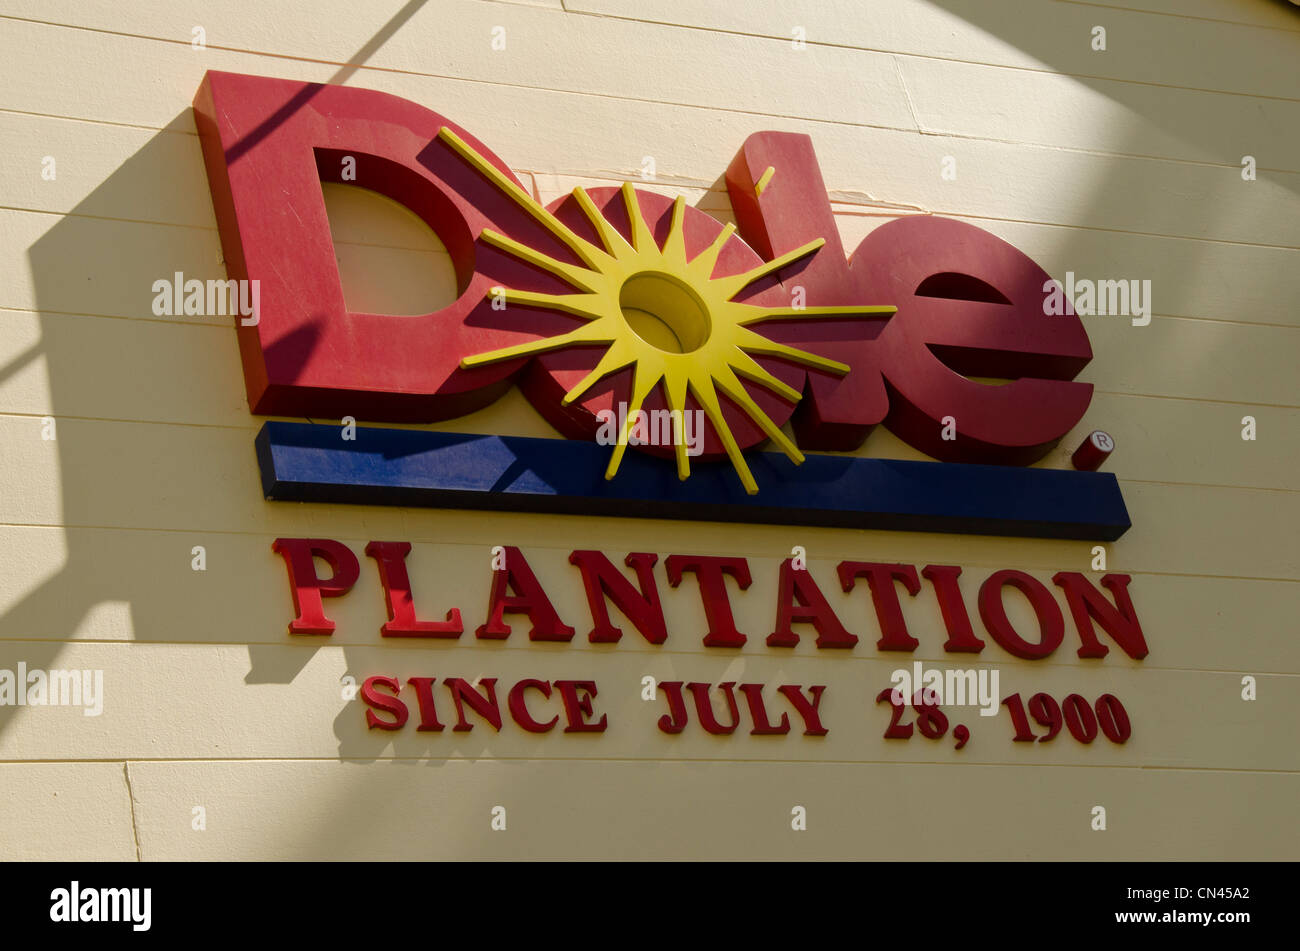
<point>707,396</point>
<point>674,250</point>
<point>583,278</point>
<point>734,390</point>
<point>751,369</point>
<point>613,241</point>
<point>585,251</point>
<point>733,285</point>
<point>675,398</point>
<point>795,313</point>
<point>589,333</point>
<point>757,343</point>
<point>619,355</point>
<point>642,240</point>
<point>642,384</point>
<point>701,266</point>
<point>577,305</point>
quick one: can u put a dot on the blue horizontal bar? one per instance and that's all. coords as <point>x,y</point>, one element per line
<point>307,462</point>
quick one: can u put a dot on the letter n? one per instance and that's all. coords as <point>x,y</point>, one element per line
<point>601,580</point>
<point>1119,620</point>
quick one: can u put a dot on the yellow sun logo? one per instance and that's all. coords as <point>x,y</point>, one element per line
<point>628,288</point>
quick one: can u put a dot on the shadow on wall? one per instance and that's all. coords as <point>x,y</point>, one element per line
<point>120,569</point>
<point>134,497</point>
<point>90,264</point>
<point>1162,203</point>
<point>77,268</point>
<point>1166,76</point>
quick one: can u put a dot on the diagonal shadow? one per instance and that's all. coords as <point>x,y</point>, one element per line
<point>95,570</point>
<point>344,73</point>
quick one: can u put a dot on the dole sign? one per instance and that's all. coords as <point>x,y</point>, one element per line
<point>612,306</point>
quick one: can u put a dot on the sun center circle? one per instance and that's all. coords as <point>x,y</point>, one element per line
<point>664,311</point>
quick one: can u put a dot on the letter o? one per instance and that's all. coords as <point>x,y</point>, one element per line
<point>994,614</point>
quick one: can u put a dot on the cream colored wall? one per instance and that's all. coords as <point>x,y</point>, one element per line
<point>1115,164</point>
